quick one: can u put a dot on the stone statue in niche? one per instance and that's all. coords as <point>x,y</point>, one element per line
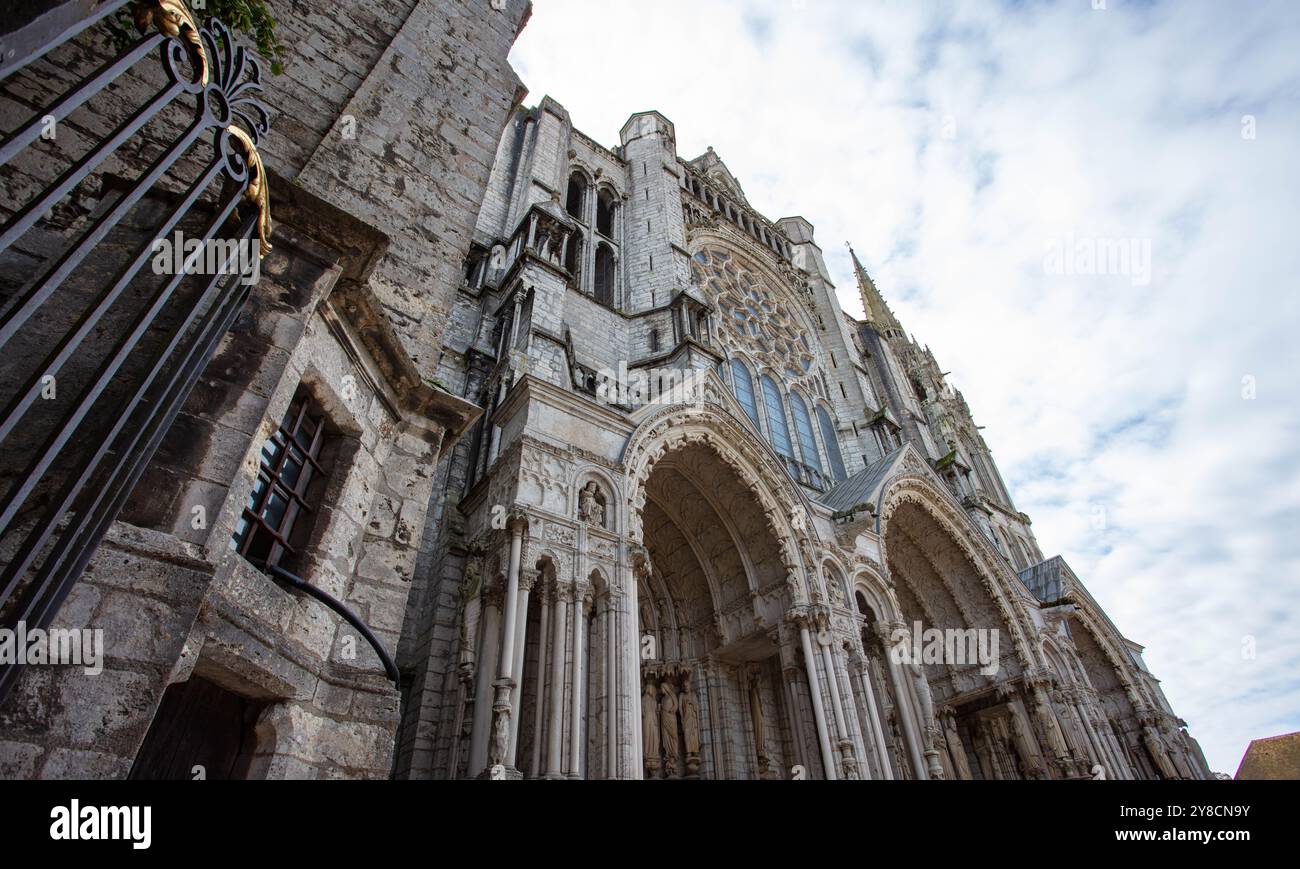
<point>668,727</point>
<point>1030,760</point>
<point>756,716</point>
<point>1151,739</point>
<point>1050,725</point>
<point>985,747</point>
<point>690,708</point>
<point>650,728</point>
<point>591,506</point>
<point>834,590</point>
<point>548,243</point>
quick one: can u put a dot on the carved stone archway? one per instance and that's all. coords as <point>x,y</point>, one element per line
<point>979,718</point>
<point>726,558</point>
<point>785,507</point>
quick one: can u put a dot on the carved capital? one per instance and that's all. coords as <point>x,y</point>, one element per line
<point>517,521</point>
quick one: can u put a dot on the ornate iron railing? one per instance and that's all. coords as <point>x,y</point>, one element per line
<point>98,351</point>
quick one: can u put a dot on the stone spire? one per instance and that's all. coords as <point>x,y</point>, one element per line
<point>878,314</point>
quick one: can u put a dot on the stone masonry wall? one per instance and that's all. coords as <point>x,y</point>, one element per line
<point>411,150</point>
<point>386,122</point>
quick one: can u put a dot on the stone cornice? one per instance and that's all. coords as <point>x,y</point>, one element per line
<point>528,388</point>
<point>354,317</point>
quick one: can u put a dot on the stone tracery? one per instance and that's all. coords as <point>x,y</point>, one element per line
<point>755,317</point>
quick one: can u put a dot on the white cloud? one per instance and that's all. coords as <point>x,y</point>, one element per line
<point>1124,123</point>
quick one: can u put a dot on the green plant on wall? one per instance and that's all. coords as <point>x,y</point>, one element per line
<point>249,17</point>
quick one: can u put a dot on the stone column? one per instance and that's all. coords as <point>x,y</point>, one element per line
<point>485,670</point>
<point>579,680</point>
<point>837,706</point>
<point>713,682</point>
<point>848,696</point>
<point>873,719</point>
<point>1101,753</point>
<point>1096,721</point>
<point>796,724</point>
<point>904,708</point>
<point>555,727</point>
<point>814,688</point>
<point>611,686</point>
<point>526,580</point>
<point>639,566</point>
<point>499,748</point>
<point>539,716</point>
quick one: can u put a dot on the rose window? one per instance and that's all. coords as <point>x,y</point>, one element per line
<point>753,317</point>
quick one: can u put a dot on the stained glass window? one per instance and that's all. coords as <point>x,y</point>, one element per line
<point>755,317</point>
<point>803,428</point>
<point>744,387</point>
<point>776,424</point>
<point>832,444</point>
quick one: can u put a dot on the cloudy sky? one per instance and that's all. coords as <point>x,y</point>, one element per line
<point>1148,420</point>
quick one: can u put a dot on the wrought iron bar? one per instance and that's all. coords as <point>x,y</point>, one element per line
<point>53,363</point>
<point>390,668</point>
<point>63,268</point>
<point>41,604</point>
<point>91,85</point>
<point>195,349</point>
<point>69,513</point>
<point>36,539</point>
<point>90,13</point>
<point>29,214</point>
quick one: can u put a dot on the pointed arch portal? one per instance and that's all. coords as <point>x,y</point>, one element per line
<point>710,604</point>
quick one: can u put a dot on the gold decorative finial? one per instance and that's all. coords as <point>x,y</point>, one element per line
<point>173,18</point>
<point>258,192</point>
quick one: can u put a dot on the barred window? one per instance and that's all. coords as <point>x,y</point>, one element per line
<point>277,518</point>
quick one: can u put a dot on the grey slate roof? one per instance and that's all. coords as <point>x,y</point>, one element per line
<point>862,486</point>
<point>1047,579</point>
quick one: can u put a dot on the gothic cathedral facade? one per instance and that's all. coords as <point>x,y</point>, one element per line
<point>711,526</point>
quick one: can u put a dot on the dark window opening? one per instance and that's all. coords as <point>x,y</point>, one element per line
<point>573,199</point>
<point>573,260</point>
<point>605,213</point>
<point>200,729</point>
<point>277,520</point>
<point>472,265</point>
<point>776,424</point>
<point>604,289</point>
<point>830,439</point>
